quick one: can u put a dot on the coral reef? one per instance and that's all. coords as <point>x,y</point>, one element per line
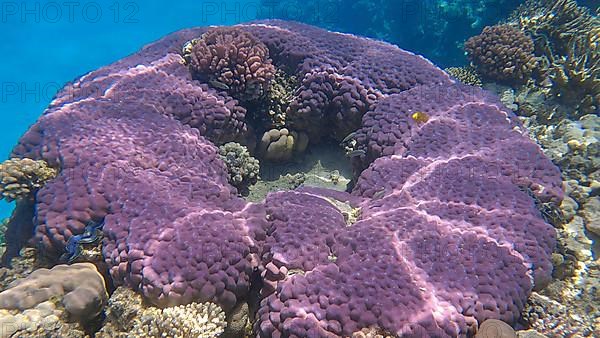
<point>205,320</point>
<point>243,169</point>
<point>567,305</point>
<point>466,75</point>
<point>437,235</point>
<point>22,177</point>
<point>30,309</point>
<point>233,60</point>
<point>80,287</point>
<point>127,315</point>
<point>567,38</point>
<point>502,53</point>
<point>413,195</point>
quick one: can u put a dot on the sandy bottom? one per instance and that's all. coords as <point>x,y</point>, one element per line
<point>323,165</point>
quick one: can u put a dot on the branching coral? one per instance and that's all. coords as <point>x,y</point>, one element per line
<point>232,60</point>
<point>466,75</point>
<point>243,169</point>
<point>21,177</point>
<point>502,53</point>
<point>202,320</point>
<point>127,315</point>
<point>280,96</point>
<point>567,39</point>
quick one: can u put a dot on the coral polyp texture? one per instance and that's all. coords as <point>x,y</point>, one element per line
<point>502,53</point>
<point>438,235</point>
<point>20,178</point>
<point>232,59</point>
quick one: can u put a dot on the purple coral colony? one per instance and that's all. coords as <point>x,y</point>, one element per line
<point>442,233</point>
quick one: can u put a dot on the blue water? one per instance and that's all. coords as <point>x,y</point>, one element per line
<point>46,44</point>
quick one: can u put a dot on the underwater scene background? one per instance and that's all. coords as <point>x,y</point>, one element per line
<point>538,62</point>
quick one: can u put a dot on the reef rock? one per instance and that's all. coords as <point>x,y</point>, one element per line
<point>443,235</point>
<point>80,288</point>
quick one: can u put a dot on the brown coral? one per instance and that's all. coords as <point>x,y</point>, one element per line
<point>21,177</point>
<point>567,37</point>
<point>467,75</point>
<point>80,286</point>
<point>233,60</point>
<point>502,53</point>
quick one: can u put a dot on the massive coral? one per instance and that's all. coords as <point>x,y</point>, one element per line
<point>437,235</point>
<point>231,59</point>
<point>502,53</point>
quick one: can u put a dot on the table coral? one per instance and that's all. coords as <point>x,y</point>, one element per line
<point>442,235</point>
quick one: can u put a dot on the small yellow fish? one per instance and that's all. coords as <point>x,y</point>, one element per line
<point>420,117</point>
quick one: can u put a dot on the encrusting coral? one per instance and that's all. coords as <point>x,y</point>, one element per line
<point>243,169</point>
<point>502,53</point>
<point>80,288</point>
<point>20,177</point>
<point>233,60</point>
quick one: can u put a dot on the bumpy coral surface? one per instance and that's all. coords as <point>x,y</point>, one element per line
<point>80,288</point>
<point>232,59</point>
<point>502,53</point>
<point>466,75</point>
<point>243,169</point>
<point>128,315</point>
<point>22,177</point>
<point>442,235</point>
<point>567,39</point>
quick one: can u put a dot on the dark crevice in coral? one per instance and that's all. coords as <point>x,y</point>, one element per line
<point>19,230</point>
